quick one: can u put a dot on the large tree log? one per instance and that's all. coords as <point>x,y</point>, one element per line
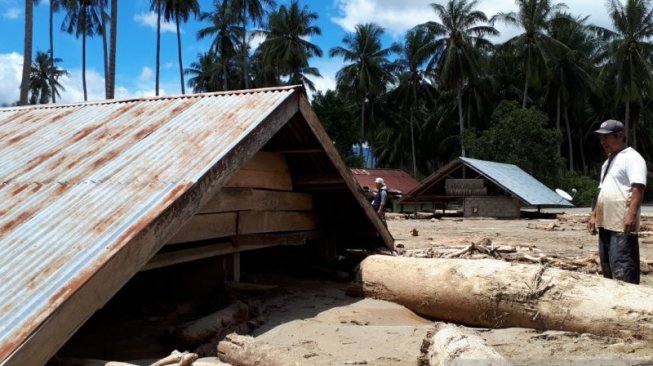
<point>496,294</point>
<point>246,351</point>
<point>219,322</point>
<point>449,345</point>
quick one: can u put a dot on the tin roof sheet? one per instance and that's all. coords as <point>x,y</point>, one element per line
<point>517,182</point>
<point>77,182</point>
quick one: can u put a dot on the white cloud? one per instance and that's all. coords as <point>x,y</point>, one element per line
<point>74,90</point>
<point>149,20</point>
<point>12,13</point>
<point>399,16</point>
<point>255,40</point>
<point>11,68</point>
<point>146,74</point>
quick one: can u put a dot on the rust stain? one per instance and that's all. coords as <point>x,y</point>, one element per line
<point>55,164</point>
<point>11,225</point>
<point>16,139</point>
<point>85,132</point>
<point>145,132</point>
<point>38,160</point>
<point>63,114</point>
<point>51,268</point>
<point>103,160</point>
<point>16,191</point>
<point>182,107</point>
<point>37,187</point>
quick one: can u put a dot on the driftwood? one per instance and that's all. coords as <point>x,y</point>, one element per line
<point>497,294</point>
<point>246,351</point>
<point>176,358</point>
<point>485,249</point>
<point>450,345</point>
<point>206,328</point>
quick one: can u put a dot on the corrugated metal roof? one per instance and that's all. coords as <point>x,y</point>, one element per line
<point>397,180</point>
<point>78,182</point>
<point>516,181</point>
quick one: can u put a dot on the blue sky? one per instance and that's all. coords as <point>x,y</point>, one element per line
<point>137,41</point>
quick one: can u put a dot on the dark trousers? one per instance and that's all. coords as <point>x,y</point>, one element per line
<point>619,254</point>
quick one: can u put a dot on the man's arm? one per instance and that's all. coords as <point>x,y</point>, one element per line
<point>636,197</point>
<point>591,224</point>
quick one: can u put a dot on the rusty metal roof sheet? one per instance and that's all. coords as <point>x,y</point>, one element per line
<point>79,181</point>
<point>396,180</point>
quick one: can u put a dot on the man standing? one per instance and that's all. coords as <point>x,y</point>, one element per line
<point>616,214</point>
<point>380,199</point>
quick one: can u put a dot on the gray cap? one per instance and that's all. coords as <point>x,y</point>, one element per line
<point>610,126</point>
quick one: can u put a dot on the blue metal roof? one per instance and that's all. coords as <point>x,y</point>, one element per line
<point>517,182</point>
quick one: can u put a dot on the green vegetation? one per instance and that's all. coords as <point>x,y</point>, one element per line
<point>444,91</point>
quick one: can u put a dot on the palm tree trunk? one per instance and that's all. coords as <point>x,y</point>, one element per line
<point>105,51</point>
<point>84,65</point>
<point>362,130</point>
<point>244,47</point>
<point>523,103</point>
<point>181,63</point>
<point>112,50</point>
<point>570,145</point>
<point>627,120</point>
<point>558,120</point>
<point>459,99</point>
<point>412,142</point>
<point>54,97</point>
<point>225,75</point>
<point>158,45</point>
<point>27,54</point>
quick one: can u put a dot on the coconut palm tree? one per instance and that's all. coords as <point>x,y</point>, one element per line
<point>44,78</point>
<point>55,5</point>
<point>570,67</point>
<point>225,31</point>
<point>461,30</point>
<point>249,10</point>
<point>287,47</point>
<point>27,51</point>
<point>180,11</point>
<point>535,17</point>
<point>157,6</point>
<point>83,18</point>
<point>206,73</point>
<point>413,87</point>
<point>628,52</point>
<point>369,70</point>
<point>111,77</point>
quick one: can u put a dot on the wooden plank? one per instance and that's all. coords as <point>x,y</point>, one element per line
<point>187,255</point>
<point>251,222</point>
<point>236,245</point>
<point>244,199</point>
<point>276,180</point>
<point>268,161</point>
<point>203,227</point>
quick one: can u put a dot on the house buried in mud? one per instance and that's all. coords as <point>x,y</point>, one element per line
<point>93,193</point>
<point>483,188</point>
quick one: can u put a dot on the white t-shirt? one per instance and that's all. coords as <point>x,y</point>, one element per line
<point>627,168</point>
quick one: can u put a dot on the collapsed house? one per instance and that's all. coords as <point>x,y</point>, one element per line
<point>93,193</point>
<point>483,188</point>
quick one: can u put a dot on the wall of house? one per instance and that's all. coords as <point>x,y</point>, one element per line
<point>491,206</point>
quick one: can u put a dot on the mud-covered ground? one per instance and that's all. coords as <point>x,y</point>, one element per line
<point>322,326</point>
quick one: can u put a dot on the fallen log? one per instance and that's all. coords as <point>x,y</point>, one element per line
<point>246,351</point>
<point>449,345</point>
<point>497,294</point>
<point>219,322</point>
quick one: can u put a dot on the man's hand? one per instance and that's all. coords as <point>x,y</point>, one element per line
<point>630,222</point>
<point>636,196</point>
<point>591,225</point>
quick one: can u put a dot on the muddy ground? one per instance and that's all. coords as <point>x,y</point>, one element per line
<point>322,326</point>
<point>314,320</point>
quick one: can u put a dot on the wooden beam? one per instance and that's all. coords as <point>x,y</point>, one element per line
<point>244,199</point>
<point>267,161</point>
<point>319,180</point>
<point>267,179</point>
<point>233,245</point>
<point>208,226</point>
<point>252,222</point>
<point>301,151</point>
